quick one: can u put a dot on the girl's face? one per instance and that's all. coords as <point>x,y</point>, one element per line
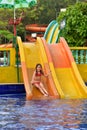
<point>39,68</point>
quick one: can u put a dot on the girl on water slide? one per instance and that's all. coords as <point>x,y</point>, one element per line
<point>36,79</point>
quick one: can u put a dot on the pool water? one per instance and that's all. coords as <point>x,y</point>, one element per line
<point>18,114</point>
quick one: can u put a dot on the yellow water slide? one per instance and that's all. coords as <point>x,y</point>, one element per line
<point>65,70</point>
<point>31,54</point>
<point>64,81</point>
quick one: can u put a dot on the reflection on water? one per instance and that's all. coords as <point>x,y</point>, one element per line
<point>18,114</point>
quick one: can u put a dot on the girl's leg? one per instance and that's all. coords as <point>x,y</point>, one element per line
<point>42,87</point>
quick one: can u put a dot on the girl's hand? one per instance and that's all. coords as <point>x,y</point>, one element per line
<point>48,74</point>
<point>31,82</point>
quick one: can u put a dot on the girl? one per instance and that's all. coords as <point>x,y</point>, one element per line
<point>36,79</point>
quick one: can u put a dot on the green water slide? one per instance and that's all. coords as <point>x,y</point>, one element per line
<point>51,33</point>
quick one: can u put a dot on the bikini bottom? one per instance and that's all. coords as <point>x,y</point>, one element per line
<point>36,83</point>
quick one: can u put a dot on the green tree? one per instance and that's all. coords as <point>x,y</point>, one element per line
<point>43,13</point>
<point>75,31</point>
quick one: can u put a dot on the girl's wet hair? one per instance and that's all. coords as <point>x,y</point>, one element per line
<point>41,71</point>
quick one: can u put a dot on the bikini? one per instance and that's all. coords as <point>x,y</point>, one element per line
<point>37,82</point>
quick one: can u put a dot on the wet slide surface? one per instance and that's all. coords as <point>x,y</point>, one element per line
<point>67,78</point>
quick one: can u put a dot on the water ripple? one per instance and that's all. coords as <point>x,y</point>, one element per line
<point>19,114</point>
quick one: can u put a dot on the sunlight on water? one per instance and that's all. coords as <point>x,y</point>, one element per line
<point>18,114</point>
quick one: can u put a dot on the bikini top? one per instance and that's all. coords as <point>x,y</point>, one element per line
<point>38,74</point>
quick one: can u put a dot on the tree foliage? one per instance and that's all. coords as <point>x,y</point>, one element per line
<point>75,31</point>
<point>43,13</point>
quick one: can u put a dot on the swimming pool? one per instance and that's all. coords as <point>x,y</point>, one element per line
<point>18,114</point>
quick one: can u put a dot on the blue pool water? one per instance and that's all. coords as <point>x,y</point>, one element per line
<point>18,114</point>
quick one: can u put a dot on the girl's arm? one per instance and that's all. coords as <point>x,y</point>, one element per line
<point>46,75</point>
<point>33,77</point>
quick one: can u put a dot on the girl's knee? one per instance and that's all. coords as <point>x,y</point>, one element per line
<point>41,84</point>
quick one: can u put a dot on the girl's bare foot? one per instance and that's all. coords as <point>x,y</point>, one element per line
<point>46,95</point>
